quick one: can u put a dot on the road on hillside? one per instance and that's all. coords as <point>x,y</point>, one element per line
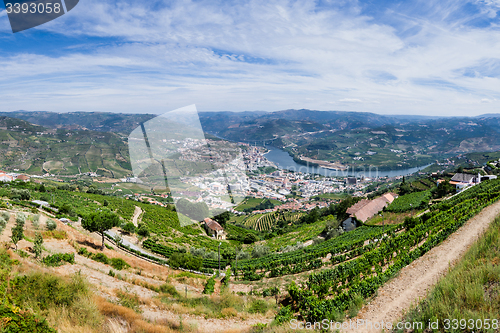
<point>112,234</point>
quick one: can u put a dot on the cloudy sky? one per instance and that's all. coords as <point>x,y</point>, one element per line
<point>429,57</point>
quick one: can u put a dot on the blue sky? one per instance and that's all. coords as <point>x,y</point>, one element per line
<point>390,57</point>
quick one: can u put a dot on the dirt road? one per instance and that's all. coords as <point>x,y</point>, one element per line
<point>398,295</point>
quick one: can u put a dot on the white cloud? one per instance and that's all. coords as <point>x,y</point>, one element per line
<point>256,55</point>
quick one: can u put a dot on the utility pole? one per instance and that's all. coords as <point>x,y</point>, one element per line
<point>219,257</point>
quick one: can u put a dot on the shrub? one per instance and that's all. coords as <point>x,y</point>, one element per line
<point>59,259</point>
<point>84,252</point>
<point>37,247</point>
<point>285,314</point>
<point>209,286</point>
<point>36,221</point>
<point>260,251</point>
<point>169,289</point>
<point>100,257</point>
<point>15,320</point>
<point>128,300</point>
<point>20,219</point>
<point>129,228</point>
<point>6,215</point>
<point>185,260</point>
<point>273,291</point>
<point>143,231</point>
<point>119,263</point>
<point>44,291</point>
<point>51,225</point>
<point>258,306</point>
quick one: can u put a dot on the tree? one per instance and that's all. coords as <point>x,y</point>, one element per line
<point>250,238</point>
<point>37,247</point>
<point>129,228</point>
<point>17,234</point>
<point>100,222</point>
<point>223,218</point>
<point>143,230</point>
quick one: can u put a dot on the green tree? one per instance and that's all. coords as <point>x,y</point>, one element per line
<point>223,218</point>
<point>17,234</point>
<point>100,222</point>
<point>37,247</point>
<point>129,228</point>
<point>250,238</point>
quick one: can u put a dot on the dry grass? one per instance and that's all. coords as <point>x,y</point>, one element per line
<point>134,322</point>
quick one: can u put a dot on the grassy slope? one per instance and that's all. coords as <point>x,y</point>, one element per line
<point>471,290</point>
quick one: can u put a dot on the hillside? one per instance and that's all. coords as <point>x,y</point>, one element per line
<point>351,139</point>
<point>357,139</point>
<point>37,150</point>
<point>93,121</point>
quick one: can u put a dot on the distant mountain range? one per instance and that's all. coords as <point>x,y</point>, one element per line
<point>95,121</point>
<point>71,142</point>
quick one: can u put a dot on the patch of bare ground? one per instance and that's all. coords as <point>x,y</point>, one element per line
<point>414,281</point>
<point>142,279</point>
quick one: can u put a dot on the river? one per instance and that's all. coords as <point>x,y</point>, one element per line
<point>284,161</point>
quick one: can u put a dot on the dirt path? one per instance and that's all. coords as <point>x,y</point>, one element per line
<point>137,213</point>
<point>415,280</point>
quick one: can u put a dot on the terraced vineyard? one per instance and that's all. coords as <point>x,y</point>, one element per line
<point>263,222</point>
<point>410,201</point>
<point>331,291</point>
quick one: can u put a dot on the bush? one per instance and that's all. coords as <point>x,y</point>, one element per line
<point>128,300</point>
<point>143,231</point>
<point>44,291</point>
<point>15,320</point>
<point>119,263</point>
<point>209,286</point>
<point>285,314</point>
<point>185,260</point>
<point>51,225</point>
<point>6,216</point>
<point>38,245</point>
<point>169,289</point>
<point>84,252</point>
<point>260,251</point>
<point>258,306</point>
<point>129,228</point>
<point>250,238</point>
<point>20,219</point>
<point>36,221</point>
<point>100,257</point>
<point>59,259</point>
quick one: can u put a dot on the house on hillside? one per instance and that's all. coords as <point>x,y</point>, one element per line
<point>365,209</point>
<point>24,178</point>
<point>464,180</point>
<point>213,228</point>
<point>5,178</point>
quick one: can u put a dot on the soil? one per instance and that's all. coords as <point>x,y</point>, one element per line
<point>133,280</point>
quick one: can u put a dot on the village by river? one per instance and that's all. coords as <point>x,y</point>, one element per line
<point>284,161</point>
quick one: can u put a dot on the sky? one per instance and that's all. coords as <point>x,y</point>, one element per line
<point>423,57</point>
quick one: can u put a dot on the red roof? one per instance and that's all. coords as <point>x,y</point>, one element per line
<point>213,224</point>
<point>365,209</point>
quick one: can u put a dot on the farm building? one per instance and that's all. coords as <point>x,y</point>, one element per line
<point>365,209</point>
<point>213,228</point>
<point>463,180</point>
